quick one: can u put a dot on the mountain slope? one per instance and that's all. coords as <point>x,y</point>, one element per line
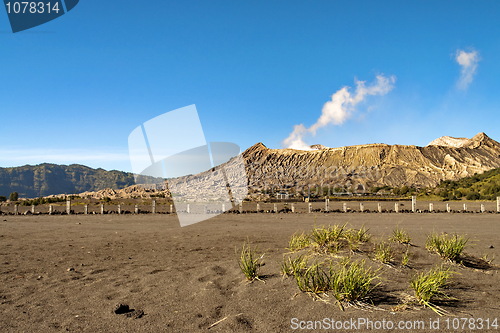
<point>370,165</point>
<point>47,179</point>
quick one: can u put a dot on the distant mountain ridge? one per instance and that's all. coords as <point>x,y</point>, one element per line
<point>370,165</point>
<point>46,179</point>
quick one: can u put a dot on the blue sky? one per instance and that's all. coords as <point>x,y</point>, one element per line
<point>74,88</point>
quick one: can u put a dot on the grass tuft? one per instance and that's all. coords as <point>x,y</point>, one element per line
<point>405,258</point>
<point>361,235</point>
<point>400,236</point>
<point>428,286</point>
<point>250,262</point>
<point>293,266</point>
<point>384,253</point>
<point>347,282</point>
<point>449,247</point>
<point>328,239</point>
<point>298,242</point>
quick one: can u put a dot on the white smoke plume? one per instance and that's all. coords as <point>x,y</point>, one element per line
<point>468,62</point>
<point>337,110</point>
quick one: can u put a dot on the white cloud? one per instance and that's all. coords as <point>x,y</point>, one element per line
<point>468,62</point>
<point>90,157</point>
<point>339,108</point>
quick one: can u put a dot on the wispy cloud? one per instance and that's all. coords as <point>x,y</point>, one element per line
<point>339,108</point>
<point>111,159</point>
<point>468,62</point>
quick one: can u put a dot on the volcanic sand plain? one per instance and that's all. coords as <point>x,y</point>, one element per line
<point>67,273</point>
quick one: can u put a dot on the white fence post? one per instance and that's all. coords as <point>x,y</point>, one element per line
<point>275,208</point>
<point>258,207</point>
<point>310,207</point>
<point>327,205</point>
<point>102,209</point>
<point>171,208</point>
<point>16,209</point>
<point>119,209</point>
<point>188,209</point>
<point>448,209</point>
<point>361,207</point>
<point>153,206</point>
<point>465,207</point>
<point>396,207</point>
<point>482,208</point>
<point>414,204</point>
<point>51,209</point>
<point>86,209</point>
<point>344,207</point>
<point>379,207</point>
<point>293,208</point>
<point>32,209</point>
<point>498,204</point>
<point>68,206</point>
<point>431,207</point>
<point>240,208</point>
<point>136,209</point>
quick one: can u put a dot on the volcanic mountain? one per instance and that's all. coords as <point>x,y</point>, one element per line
<point>370,165</point>
<point>352,167</point>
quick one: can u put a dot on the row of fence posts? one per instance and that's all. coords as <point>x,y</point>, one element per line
<point>275,207</point>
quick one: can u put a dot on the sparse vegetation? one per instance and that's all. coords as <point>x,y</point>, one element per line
<point>293,266</point>
<point>14,196</point>
<point>384,253</point>
<point>42,201</point>
<point>329,239</point>
<point>405,258</point>
<point>361,235</point>
<point>298,242</point>
<point>349,281</point>
<point>400,236</point>
<point>317,270</point>
<point>448,247</point>
<point>323,236</point>
<point>250,262</point>
<point>428,286</point>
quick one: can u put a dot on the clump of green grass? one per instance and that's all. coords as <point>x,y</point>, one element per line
<point>298,242</point>
<point>347,282</point>
<point>313,279</point>
<point>353,281</point>
<point>324,235</point>
<point>250,262</point>
<point>405,258</point>
<point>293,266</point>
<point>328,239</point>
<point>400,236</point>
<point>384,253</point>
<point>428,286</point>
<point>360,235</point>
<point>448,247</point>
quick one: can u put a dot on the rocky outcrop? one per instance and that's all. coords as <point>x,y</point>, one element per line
<point>372,164</point>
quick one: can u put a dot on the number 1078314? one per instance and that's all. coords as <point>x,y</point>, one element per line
<point>32,7</point>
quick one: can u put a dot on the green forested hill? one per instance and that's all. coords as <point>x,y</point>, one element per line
<point>481,186</point>
<point>47,179</point>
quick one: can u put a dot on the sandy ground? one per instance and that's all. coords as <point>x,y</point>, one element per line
<point>66,273</point>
